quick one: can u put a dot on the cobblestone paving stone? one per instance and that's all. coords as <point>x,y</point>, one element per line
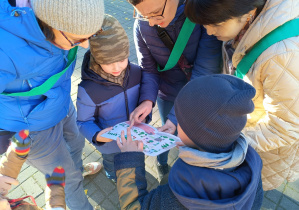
<point>101,192</point>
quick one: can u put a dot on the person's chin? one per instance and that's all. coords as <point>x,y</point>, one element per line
<point>61,47</point>
<point>163,24</point>
<point>223,38</point>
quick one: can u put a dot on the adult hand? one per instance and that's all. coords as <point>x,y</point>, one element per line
<point>5,184</point>
<point>168,127</point>
<point>4,205</point>
<point>141,112</point>
<point>148,129</point>
<point>103,139</point>
<point>127,145</point>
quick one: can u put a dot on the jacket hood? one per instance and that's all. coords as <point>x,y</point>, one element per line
<point>29,30</point>
<point>204,188</point>
<point>87,73</point>
<point>274,14</point>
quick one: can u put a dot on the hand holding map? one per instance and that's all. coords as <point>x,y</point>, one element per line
<point>154,142</point>
<point>127,144</point>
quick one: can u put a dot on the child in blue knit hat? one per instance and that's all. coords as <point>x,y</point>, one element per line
<point>216,168</point>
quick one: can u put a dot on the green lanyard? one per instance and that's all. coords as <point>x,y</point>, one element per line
<point>285,31</point>
<point>49,83</point>
<point>179,46</point>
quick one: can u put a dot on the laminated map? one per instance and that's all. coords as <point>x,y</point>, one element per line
<point>154,142</point>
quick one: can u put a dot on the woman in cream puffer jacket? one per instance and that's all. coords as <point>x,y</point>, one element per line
<point>273,128</point>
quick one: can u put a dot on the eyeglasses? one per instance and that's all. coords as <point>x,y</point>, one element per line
<point>146,18</point>
<point>82,40</point>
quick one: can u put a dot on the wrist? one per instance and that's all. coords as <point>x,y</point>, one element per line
<point>148,103</point>
<point>95,139</point>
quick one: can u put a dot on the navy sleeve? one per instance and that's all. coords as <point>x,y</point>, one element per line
<point>208,61</point>
<point>209,56</point>
<point>150,75</point>
<point>85,115</point>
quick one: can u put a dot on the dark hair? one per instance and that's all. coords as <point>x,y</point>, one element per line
<point>206,12</point>
<point>47,30</point>
<point>134,2</point>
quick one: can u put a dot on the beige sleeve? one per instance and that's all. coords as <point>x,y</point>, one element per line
<point>55,197</point>
<point>280,126</point>
<point>11,164</point>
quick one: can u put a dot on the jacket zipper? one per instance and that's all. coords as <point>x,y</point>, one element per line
<point>127,106</point>
<point>125,91</point>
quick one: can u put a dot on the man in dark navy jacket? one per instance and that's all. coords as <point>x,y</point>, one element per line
<point>202,51</point>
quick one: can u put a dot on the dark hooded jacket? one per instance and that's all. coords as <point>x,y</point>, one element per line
<point>102,104</point>
<point>189,187</point>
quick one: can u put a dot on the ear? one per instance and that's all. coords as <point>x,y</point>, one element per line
<point>251,15</point>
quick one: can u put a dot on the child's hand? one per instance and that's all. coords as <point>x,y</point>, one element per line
<point>103,139</point>
<point>20,143</point>
<point>5,184</point>
<point>179,144</point>
<point>57,177</point>
<point>4,205</point>
<point>127,145</point>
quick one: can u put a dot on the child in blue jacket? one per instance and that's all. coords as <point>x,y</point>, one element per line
<point>109,90</point>
<point>216,169</point>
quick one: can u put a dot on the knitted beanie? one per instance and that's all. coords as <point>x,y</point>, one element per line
<point>111,44</point>
<point>73,16</point>
<point>212,111</point>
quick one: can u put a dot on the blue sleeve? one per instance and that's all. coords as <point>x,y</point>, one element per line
<point>150,75</point>
<point>85,115</point>
<point>7,71</point>
<point>208,57</point>
<point>171,116</point>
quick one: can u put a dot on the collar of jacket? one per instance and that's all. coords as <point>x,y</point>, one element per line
<point>274,14</point>
<point>204,188</point>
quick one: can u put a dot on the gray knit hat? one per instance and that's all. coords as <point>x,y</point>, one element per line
<point>111,44</point>
<point>80,17</point>
<point>212,111</point>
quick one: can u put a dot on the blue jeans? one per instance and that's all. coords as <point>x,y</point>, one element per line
<point>164,109</point>
<point>108,163</point>
<point>62,145</point>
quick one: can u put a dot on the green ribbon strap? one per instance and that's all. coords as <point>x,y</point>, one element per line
<point>49,83</point>
<point>179,46</point>
<point>285,31</point>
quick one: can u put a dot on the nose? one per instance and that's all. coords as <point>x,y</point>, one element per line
<point>210,30</point>
<point>84,44</point>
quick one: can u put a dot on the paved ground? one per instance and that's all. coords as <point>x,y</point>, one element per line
<point>101,192</point>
